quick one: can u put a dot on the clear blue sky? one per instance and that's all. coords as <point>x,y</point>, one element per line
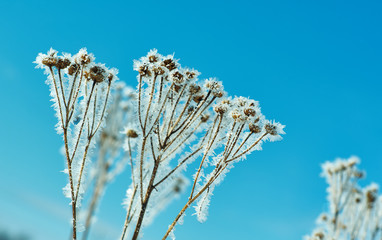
<point>315,66</point>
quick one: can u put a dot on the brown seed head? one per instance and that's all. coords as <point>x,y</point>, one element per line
<point>177,77</point>
<point>158,71</point>
<point>85,59</point>
<point>254,128</point>
<point>110,77</point>
<point>194,89</point>
<point>205,118</point>
<point>236,116</point>
<point>73,68</point>
<point>153,59</point>
<point>220,109</point>
<point>358,174</point>
<point>144,71</point>
<point>218,94</point>
<point>131,133</point>
<point>250,112</point>
<point>190,74</point>
<point>177,88</point>
<point>190,109</point>
<point>319,235</point>
<point>198,98</point>
<point>97,74</point>
<point>271,129</point>
<point>370,198</point>
<point>49,61</point>
<point>169,64</point>
<point>62,63</point>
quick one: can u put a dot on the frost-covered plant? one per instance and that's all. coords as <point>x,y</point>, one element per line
<point>80,90</point>
<point>110,159</point>
<point>179,120</point>
<point>176,120</point>
<point>354,212</point>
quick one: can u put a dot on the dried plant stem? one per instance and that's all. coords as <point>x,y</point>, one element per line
<point>100,185</point>
<point>205,155</point>
<point>186,206</point>
<point>74,214</point>
<point>128,218</point>
<point>145,202</point>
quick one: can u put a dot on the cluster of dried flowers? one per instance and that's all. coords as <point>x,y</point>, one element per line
<point>176,120</point>
<point>80,91</point>
<point>354,212</point>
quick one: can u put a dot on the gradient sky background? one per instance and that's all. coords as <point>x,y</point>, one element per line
<point>315,66</point>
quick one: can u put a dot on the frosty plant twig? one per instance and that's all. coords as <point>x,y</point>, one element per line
<point>80,92</point>
<point>181,119</point>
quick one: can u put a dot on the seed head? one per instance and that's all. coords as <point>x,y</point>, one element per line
<point>319,235</point>
<point>177,88</point>
<point>110,77</point>
<point>190,109</point>
<point>250,112</point>
<point>194,89</point>
<point>131,133</point>
<point>144,71</point>
<point>254,128</point>
<point>205,118</point>
<point>237,116</point>
<point>371,197</point>
<point>218,94</point>
<point>221,109</point>
<point>153,59</point>
<point>198,98</point>
<point>169,64</point>
<point>158,71</point>
<point>49,61</point>
<point>97,74</point>
<point>177,77</point>
<point>62,63</point>
<point>73,68</point>
<point>271,129</point>
<point>84,58</point>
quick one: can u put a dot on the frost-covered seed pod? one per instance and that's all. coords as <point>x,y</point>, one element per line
<point>73,68</point>
<point>62,63</point>
<point>131,133</point>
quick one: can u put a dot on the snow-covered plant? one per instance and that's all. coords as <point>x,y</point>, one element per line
<point>180,119</point>
<point>80,90</point>
<point>354,212</point>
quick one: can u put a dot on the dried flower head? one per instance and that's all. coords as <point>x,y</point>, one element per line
<point>73,68</point>
<point>131,133</point>
<point>169,63</point>
<point>63,63</point>
<point>254,128</point>
<point>97,74</point>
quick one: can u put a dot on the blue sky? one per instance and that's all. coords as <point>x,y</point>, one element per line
<point>315,66</point>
